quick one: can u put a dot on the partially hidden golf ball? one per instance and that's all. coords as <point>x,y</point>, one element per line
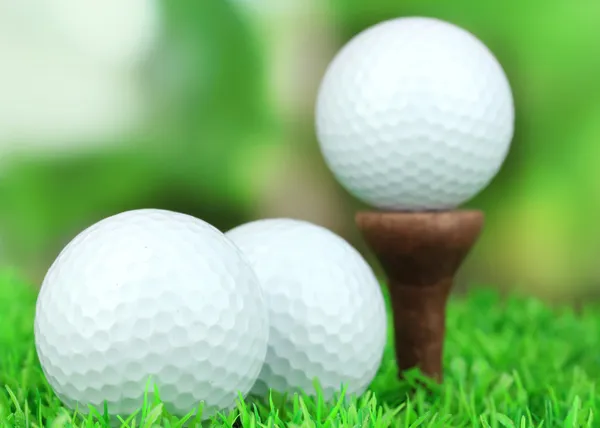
<point>326,308</point>
<point>151,297</point>
<point>414,114</point>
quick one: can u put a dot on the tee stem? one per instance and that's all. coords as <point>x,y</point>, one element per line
<point>420,253</point>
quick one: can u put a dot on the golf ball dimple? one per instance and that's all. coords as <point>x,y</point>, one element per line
<point>414,114</point>
<point>326,309</point>
<point>151,297</point>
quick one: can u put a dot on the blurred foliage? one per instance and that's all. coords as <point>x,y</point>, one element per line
<point>208,90</point>
<point>213,127</point>
<point>202,116</point>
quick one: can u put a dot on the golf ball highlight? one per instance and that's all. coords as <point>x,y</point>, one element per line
<point>414,114</point>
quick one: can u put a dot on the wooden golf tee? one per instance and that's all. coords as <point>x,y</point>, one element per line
<point>420,253</point>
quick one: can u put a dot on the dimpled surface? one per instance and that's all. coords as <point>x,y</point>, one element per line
<point>414,114</point>
<point>151,293</point>
<point>326,309</point>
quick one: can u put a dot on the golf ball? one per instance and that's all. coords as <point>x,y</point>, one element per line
<point>151,297</point>
<point>414,114</point>
<point>326,309</point>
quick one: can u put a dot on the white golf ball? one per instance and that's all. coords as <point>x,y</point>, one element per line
<point>326,309</point>
<point>151,296</point>
<point>414,114</point>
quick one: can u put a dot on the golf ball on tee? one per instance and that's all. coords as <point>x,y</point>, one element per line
<point>414,114</point>
<point>326,309</point>
<point>151,296</point>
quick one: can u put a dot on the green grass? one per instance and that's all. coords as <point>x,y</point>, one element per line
<point>509,363</point>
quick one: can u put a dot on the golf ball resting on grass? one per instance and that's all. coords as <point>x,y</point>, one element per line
<point>326,309</point>
<point>151,296</point>
<point>414,114</point>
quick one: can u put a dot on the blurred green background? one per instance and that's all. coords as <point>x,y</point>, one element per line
<point>206,107</point>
